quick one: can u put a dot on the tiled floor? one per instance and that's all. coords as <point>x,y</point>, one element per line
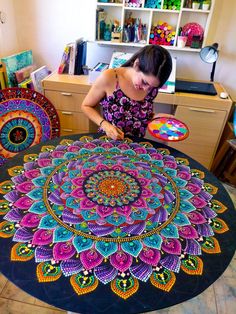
<point>219,298</point>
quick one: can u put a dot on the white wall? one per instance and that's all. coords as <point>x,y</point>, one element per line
<point>45,26</point>
<point>8,37</point>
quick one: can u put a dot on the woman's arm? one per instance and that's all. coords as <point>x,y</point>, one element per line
<point>94,96</point>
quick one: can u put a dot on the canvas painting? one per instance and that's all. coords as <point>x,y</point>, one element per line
<point>16,62</point>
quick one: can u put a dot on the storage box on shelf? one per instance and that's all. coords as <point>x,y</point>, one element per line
<point>153,21</point>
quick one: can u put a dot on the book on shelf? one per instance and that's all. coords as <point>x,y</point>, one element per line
<point>80,56</point>
<point>73,58</point>
<point>65,60</point>
<point>37,76</point>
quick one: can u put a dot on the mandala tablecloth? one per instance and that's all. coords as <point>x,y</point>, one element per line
<point>93,225</point>
<point>26,118</point>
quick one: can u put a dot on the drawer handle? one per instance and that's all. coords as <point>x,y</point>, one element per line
<point>67,130</point>
<point>68,113</point>
<point>66,94</point>
<point>202,110</point>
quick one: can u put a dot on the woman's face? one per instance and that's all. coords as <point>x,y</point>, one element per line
<point>143,81</point>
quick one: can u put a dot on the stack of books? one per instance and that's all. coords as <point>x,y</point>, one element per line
<point>73,58</point>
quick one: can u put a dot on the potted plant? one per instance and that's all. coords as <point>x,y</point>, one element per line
<point>195,4</point>
<point>206,5</point>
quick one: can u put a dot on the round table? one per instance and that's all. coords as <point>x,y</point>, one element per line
<point>93,225</point>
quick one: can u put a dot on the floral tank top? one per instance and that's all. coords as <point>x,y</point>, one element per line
<point>131,116</point>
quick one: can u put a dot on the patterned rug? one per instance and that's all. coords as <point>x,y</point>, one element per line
<point>26,118</point>
<point>92,225</point>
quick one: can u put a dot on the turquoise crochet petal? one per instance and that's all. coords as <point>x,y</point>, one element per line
<point>82,244</point>
<point>185,194</point>
<point>180,182</point>
<point>170,231</point>
<point>181,220</point>
<point>46,171</point>
<point>39,181</point>
<point>38,208</point>
<point>133,247</point>
<point>62,235</point>
<point>36,194</point>
<point>186,206</point>
<point>153,241</point>
<point>58,161</point>
<point>106,248</point>
<point>47,222</point>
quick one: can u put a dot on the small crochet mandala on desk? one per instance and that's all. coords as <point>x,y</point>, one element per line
<point>114,226</point>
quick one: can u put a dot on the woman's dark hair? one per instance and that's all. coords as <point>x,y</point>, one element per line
<point>154,60</point>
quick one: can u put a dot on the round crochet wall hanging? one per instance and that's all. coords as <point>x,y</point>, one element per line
<point>26,118</point>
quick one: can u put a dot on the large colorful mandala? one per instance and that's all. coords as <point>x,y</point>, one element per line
<point>121,218</point>
<point>26,119</point>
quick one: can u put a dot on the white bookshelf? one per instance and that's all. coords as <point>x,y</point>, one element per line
<point>176,19</point>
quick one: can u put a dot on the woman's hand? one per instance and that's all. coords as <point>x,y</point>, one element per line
<point>112,131</point>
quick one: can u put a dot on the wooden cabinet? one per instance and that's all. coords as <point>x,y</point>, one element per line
<point>67,92</point>
<point>150,21</point>
<point>205,126</point>
<point>206,116</point>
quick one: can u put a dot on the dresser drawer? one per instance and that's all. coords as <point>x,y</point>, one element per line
<point>65,100</point>
<point>73,120</point>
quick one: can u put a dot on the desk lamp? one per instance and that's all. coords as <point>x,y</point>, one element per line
<point>209,54</point>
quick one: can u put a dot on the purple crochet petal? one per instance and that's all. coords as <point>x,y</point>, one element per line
<point>44,155</point>
<point>55,198</point>
<point>14,215</point>
<point>169,197</point>
<point>43,254</point>
<point>69,217</point>
<point>192,247</point>
<point>57,178</point>
<point>141,271</point>
<point>105,273</point>
<point>135,229</point>
<point>19,179</point>
<point>12,196</point>
<point>141,164</point>
<point>160,216</point>
<point>197,181</point>
<point>22,235</point>
<point>208,212</point>
<point>30,165</point>
<point>162,179</point>
<point>205,230</point>
<point>205,195</point>
<point>71,266</point>
<point>171,262</point>
<point>100,230</point>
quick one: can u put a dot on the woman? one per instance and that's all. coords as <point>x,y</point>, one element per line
<point>126,94</point>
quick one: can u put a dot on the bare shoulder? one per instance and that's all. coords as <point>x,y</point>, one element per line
<point>106,79</point>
